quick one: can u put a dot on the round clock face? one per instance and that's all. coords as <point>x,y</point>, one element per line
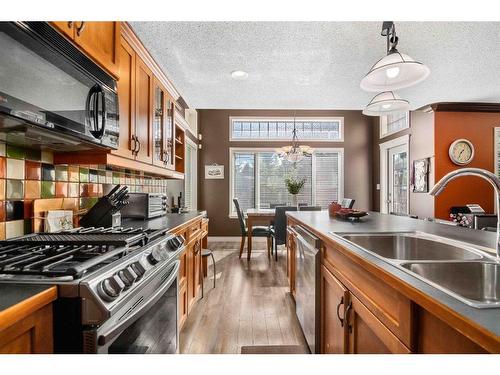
<point>461,152</point>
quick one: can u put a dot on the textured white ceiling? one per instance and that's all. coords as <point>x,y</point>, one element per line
<point>318,65</point>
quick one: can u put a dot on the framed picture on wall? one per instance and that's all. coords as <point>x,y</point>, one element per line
<point>214,172</point>
<point>421,175</point>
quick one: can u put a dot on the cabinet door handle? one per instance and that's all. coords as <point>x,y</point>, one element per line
<point>346,316</point>
<point>134,144</point>
<point>139,143</point>
<point>79,29</point>
<point>338,311</point>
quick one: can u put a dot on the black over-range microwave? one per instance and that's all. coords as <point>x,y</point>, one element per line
<point>51,94</point>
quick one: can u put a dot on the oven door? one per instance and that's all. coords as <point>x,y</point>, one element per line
<point>147,326</point>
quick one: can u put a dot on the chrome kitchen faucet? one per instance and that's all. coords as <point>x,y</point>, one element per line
<point>487,175</point>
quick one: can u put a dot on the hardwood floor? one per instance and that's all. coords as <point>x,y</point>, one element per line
<point>250,305</point>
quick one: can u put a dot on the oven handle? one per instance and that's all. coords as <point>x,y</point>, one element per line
<point>104,338</point>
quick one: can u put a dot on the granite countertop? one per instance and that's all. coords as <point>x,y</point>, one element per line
<point>167,222</point>
<point>321,223</point>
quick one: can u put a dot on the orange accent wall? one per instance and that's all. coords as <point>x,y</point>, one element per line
<point>477,128</point>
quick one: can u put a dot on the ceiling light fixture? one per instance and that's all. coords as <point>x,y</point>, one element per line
<point>396,70</point>
<point>295,152</point>
<point>384,103</point>
<point>239,74</point>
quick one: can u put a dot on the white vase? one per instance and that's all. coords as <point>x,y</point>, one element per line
<point>295,200</point>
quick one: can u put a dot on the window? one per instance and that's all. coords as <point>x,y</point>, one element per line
<point>394,123</point>
<point>190,176</point>
<point>272,129</point>
<point>257,178</point>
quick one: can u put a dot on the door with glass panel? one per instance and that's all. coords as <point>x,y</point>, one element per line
<point>397,192</point>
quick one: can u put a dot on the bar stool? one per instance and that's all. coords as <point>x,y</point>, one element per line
<point>205,253</point>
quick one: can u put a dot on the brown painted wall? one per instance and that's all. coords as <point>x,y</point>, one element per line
<point>477,128</point>
<point>213,195</point>
<point>421,146</point>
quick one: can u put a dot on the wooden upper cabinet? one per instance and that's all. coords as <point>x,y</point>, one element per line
<point>163,132</point>
<point>100,40</point>
<point>334,299</point>
<point>65,27</point>
<point>126,97</point>
<point>143,111</point>
<point>367,335</point>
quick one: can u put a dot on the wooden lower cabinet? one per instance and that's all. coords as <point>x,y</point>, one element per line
<point>183,304</point>
<point>334,297</point>
<point>437,337</point>
<point>366,334</point>
<point>348,326</point>
<point>31,335</point>
<point>190,277</point>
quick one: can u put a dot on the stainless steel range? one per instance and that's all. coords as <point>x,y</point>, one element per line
<point>117,287</point>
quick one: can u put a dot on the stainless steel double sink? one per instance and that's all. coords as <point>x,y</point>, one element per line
<point>462,271</point>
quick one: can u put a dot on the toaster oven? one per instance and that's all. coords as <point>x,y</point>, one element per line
<point>145,206</point>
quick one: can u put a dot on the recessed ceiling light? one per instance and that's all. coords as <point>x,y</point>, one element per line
<point>239,74</point>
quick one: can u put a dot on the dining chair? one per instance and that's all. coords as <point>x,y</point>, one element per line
<point>309,208</point>
<point>278,232</point>
<point>257,231</point>
<point>274,205</point>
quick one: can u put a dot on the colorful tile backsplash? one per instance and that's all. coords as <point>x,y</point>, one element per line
<point>26,175</point>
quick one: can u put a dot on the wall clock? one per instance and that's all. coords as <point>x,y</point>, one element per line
<point>461,152</point>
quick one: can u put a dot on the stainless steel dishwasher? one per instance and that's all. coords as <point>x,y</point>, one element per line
<point>307,288</point>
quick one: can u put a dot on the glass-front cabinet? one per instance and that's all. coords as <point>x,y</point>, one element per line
<point>163,133</point>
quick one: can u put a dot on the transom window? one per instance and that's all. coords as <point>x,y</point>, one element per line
<point>272,129</point>
<point>394,123</point>
<point>257,178</point>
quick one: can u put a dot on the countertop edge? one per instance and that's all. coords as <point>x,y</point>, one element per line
<point>474,331</point>
<point>21,310</point>
<point>186,223</point>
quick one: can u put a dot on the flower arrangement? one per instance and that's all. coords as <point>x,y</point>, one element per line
<point>294,185</point>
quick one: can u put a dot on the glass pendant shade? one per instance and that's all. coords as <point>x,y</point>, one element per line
<point>385,103</point>
<point>394,71</point>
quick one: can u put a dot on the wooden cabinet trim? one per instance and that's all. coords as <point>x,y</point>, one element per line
<point>23,309</point>
<point>31,335</point>
<point>143,53</point>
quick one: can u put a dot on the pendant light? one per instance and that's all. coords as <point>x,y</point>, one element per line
<point>385,103</point>
<point>396,70</point>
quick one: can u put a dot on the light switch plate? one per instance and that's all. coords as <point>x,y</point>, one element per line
<point>378,186</point>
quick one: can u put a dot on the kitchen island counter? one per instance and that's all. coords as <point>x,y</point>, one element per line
<point>482,325</point>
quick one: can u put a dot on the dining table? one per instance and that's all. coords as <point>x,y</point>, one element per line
<point>257,216</point>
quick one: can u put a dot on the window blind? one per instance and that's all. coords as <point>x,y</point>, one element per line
<point>272,175</point>
<point>327,178</point>
<point>244,180</point>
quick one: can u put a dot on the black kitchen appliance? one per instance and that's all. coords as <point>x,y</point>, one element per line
<point>117,288</point>
<point>51,94</point>
<point>145,206</point>
<point>106,212</point>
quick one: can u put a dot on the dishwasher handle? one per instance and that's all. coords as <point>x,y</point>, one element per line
<point>306,237</point>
